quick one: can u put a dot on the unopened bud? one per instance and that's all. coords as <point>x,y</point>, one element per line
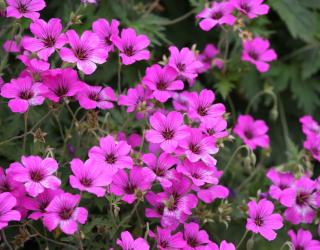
<point>274,113</point>
<point>250,243</point>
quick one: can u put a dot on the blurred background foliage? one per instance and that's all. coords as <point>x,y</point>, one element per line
<point>293,28</point>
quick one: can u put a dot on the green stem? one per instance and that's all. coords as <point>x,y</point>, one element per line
<point>284,124</point>
<point>259,94</point>
<point>6,242</point>
<point>119,75</point>
<point>233,155</point>
<point>181,18</point>
<point>242,239</point>
<point>25,118</point>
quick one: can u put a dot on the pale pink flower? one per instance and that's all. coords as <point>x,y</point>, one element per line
<point>25,8</point>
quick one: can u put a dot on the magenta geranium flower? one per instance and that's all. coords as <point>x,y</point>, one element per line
<point>167,241</point>
<point>157,203</point>
<point>197,146</point>
<point>208,58</point>
<point>63,211</point>
<point>181,101</point>
<point>198,172</point>
<point>61,83</point>
<point>35,68</point>
<point>217,14</point>
<point>25,8</point>
<point>127,242</point>
<point>257,52</point>
<point>303,205</point>
<point>47,38</point>
<point>23,93</point>
<point>167,130</point>
<point>162,167</point>
<point>262,220</point>
<point>195,238</point>
<point>303,240</point>
<point>185,63</point>
<point>86,51</point>
<point>312,144</point>
<point>7,213</point>
<point>137,99</point>
<point>132,47</point>
<point>252,132</point>
<point>105,31</point>
<point>9,185</point>
<point>209,193</point>
<point>37,205</point>
<point>309,125</point>
<point>223,246</point>
<point>128,186</point>
<point>91,97</point>
<point>36,174</point>
<point>89,176</point>
<point>114,155</point>
<point>251,8</point>
<point>162,81</point>
<point>281,188</point>
<point>216,127</point>
<point>201,106</point>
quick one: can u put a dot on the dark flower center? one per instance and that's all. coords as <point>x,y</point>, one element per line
<point>181,66</point>
<point>217,15</point>
<point>203,111</point>
<point>194,148</point>
<point>168,134</point>
<point>23,8</point>
<point>210,131</point>
<point>81,53</point>
<point>258,221</point>
<point>86,182</point>
<point>5,187</point>
<point>254,55</point>
<point>36,176</point>
<point>245,7</point>
<point>128,50</point>
<point>94,96</point>
<point>192,242</point>
<point>107,40</point>
<point>49,41</point>
<point>111,158</point>
<point>66,213</point>
<point>302,199</point>
<point>164,243</point>
<point>43,205</point>
<point>162,85</point>
<point>248,134</point>
<point>26,94</point>
<point>299,248</point>
<point>129,188</point>
<point>160,209</point>
<point>315,151</point>
<point>195,175</point>
<point>61,90</point>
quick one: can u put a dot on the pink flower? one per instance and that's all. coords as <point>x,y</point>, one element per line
<point>181,101</point>
<point>91,97</point>
<point>137,99</point>
<point>257,52</point>
<point>62,83</point>
<point>157,203</point>
<point>129,186</point>
<point>35,68</point>
<point>7,203</point>
<point>252,132</point>
<point>36,174</point>
<point>251,8</point>
<point>25,8</point>
<point>131,46</point>
<point>198,172</point>
<point>212,192</point>
<point>128,243</point>
<point>162,81</point>
<point>198,147</point>
<point>215,127</point>
<point>312,144</point>
<point>8,184</point>
<point>11,46</point>
<point>202,107</point>
<point>281,188</point>
<point>23,93</point>
<point>217,14</point>
<point>309,125</point>
<point>38,205</point>
<point>63,211</point>
<point>207,58</point>
<point>303,240</point>
<point>167,241</point>
<point>302,206</point>
<point>185,63</point>
<point>262,220</point>
<point>105,31</point>
<point>86,51</point>
<point>161,167</point>
<point>195,238</point>
<point>114,155</point>
<point>47,38</point>
<point>89,176</point>
<point>224,246</point>
<point>167,130</point>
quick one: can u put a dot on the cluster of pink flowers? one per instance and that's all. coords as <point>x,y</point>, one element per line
<point>255,51</point>
<point>311,129</point>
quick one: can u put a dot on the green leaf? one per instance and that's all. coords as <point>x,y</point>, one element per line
<point>224,87</point>
<point>311,63</point>
<point>300,21</point>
